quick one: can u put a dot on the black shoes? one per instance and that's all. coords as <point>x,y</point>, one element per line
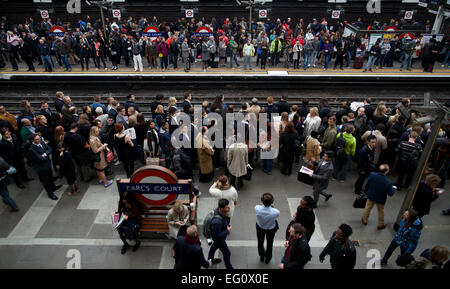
<point>136,246</point>
<point>57,187</point>
<point>261,258</point>
<point>216,260</point>
<point>53,197</point>
<point>28,179</point>
<point>21,186</point>
<point>267,261</point>
<point>124,249</point>
<point>328,197</point>
<point>446,212</point>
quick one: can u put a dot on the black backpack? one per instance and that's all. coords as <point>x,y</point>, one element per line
<point>413,158</point>
<point>339,145</point>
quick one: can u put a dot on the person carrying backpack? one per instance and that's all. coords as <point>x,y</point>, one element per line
<point>219,228</point>
<point>345,147</point>
<point>409,155</point>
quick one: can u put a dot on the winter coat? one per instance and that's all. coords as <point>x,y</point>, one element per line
<point>346,259</point>
<point>237,159</point>
<point>230,194</point>
<point>408,238</point>
<point>205,154</point>
<point>378,187</point>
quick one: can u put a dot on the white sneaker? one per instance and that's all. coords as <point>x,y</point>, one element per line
<point>106,68</point>
<point>117,163</point>
<point>442,65</point>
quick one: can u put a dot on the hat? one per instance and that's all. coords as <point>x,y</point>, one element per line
<point>346,229</point>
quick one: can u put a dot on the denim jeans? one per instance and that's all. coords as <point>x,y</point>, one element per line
<point>306,59</point>
<point>391,250</point>
<point>406,59</point>
<point>222,246</point>
<point>233,57</point>
<point>370,62</point>
<point>447,59</point>
<point>65,59</point>
<point>327,60</point>
<point>47,62</point>
<point>349,58</point>
<point>314,57</point>
<point>268,165</point>
<point>7,198</point>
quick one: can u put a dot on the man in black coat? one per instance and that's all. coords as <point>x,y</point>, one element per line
<point>283,105</point>
<point>344,111</point>
<point>59,102</point>
<point>365,162</point>
<point>188,253</point>
<point>345,256</point>
<point>298,252</point>
<point>131,102</point>
<point>26,51</point>
<point>46,111</point>
<point>39,155</point>
<point>157,102</point>
<point>187,102</point>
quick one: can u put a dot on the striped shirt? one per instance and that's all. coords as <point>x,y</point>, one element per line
<point>405,149</point>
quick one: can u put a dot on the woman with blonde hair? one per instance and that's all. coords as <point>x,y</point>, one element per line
<point>222,189</point>
<point>283,122</point>
<point>98,149</point>
<point>312,121</point>
<point>172,103</point>
<point>294,111</point>
<point>177,217</point>
<point>379,116</point>
<point>132,112</point>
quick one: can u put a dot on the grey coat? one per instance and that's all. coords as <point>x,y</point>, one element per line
<point>185,50</point>
<point>322,175</point>
<point>205,51</point>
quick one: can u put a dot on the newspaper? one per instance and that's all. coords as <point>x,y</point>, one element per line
<point>116,222</point>
<point>305,170</point>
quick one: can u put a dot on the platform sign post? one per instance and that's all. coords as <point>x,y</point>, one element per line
<point>263,13</point>
<point>45,14</point>
<point>189,13</point>
<point>336,14</point>
<point>409,15</point>
<point>116,13</point>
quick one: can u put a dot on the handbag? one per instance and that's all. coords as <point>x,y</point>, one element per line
<point>360,201</point>
<point>109,156</point>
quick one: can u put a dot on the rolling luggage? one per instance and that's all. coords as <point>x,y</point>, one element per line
<point>358,63</point>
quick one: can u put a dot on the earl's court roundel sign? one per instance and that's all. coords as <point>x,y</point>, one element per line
<point>153,33</point>
<point>155,186</point>
<point>58,31</point>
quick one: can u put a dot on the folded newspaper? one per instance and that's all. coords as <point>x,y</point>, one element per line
<point>305,170</point>
<point>116,222</point>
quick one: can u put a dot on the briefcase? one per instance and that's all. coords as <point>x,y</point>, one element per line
<point>304,178</point>
<point>360,201</point>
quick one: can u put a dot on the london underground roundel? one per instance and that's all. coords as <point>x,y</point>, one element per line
<point>58,31</point>
<point>203,31</point>
<point>156,175</point>
<point>153,33</point>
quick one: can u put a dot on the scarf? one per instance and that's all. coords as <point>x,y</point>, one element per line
<point>192,241</point>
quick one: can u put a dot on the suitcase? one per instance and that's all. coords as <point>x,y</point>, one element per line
<point>358,63</point>
<point>215,64</point>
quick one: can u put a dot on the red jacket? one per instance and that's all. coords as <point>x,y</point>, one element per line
<point>163,48</point>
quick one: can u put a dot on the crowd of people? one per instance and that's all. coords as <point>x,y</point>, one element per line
<point>272,42</point>
<point>378,139</point>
